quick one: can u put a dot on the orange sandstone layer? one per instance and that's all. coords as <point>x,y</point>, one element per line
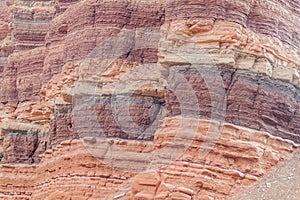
<point>239,159</point>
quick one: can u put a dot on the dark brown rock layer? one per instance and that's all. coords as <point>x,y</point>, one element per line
<point>254,101</point>
<point>19,146</point>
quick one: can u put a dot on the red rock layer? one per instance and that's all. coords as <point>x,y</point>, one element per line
<point>253,101</point>
<point>4,13</point>
<point>88,23</point>
<point>17,181</point>
<point>236,161</point>
<point>31,23</point>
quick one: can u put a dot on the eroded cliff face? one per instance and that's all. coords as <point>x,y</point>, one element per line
<point>146,99</point>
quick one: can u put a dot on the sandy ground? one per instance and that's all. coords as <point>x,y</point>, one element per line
<point>283,184</point>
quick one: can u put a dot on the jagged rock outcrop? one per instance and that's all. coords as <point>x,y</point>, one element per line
<point>94,94</point>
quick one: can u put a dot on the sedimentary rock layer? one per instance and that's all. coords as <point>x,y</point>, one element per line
<point>129,71</point>
<point>253,101</point>
<point>250,14</point>
<point>17,181</point>
<point>82,169</point>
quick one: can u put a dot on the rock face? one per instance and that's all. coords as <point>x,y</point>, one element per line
<point>160,99</point>
<point>19,146</point>
<point>239,159</point>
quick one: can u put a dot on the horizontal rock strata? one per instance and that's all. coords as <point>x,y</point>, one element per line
<point>143,75</point>
<point>238,159</point>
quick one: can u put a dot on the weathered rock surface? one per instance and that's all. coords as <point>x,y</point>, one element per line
<point>17,181</point>
<point>129,71</point>
<point>236,161</point>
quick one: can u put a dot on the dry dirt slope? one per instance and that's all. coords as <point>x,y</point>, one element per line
<point>283,184</point>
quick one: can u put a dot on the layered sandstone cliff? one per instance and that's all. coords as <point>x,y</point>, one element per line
<point>160,99</point>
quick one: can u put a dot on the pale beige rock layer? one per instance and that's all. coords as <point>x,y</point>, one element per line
<point>232,45</point>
